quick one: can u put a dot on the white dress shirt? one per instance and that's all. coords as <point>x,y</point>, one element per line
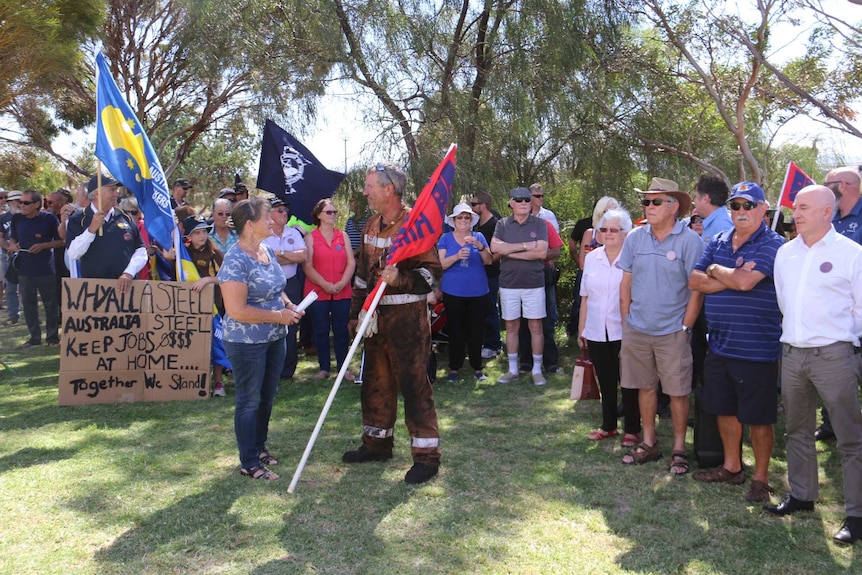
<point>819,291</point>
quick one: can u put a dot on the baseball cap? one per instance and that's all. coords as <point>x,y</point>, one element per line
<point>748,191</point>
<point>182,182</point>
<point>520,193</point>
<point>106,181</point>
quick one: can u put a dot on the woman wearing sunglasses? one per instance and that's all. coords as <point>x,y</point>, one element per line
<point>600,325</point>
<point>328,271</point>
<point>464,255</point>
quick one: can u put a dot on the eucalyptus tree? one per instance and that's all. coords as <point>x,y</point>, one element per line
<point>503,78</point>
<point>187,66</point>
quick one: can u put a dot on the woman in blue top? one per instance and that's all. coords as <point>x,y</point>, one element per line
<point>257,312</point>
<point>464,255</point>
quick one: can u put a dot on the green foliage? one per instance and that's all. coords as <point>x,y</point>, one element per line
<point>25,168</point>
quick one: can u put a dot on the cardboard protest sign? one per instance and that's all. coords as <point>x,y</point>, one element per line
<point>149,344</point>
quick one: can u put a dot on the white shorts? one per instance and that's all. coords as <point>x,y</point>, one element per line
<point>532,300</point>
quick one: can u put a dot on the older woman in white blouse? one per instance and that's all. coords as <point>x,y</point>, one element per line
<point>600,326</point>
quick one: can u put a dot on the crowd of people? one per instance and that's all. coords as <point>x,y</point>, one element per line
<point>699,292</point>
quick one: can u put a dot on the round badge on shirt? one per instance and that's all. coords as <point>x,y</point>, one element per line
<point>826,267</point>
<point>739,262</point>
<point>533,235</point>
<point>671,255</point>
<point>290,241</point>
<point>339,247</point>
<point>127,237</point>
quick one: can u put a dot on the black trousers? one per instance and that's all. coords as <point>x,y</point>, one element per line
<point>606,360</point>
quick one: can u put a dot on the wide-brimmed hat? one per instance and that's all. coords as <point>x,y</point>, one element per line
<point>193,223</point>
<point>457,211</point>
<point>670,188</point>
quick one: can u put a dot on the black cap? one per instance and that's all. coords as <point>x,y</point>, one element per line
<point>94,182</point>
<point>184,183</point>
<point>276,201</point>
<point>227,192</point>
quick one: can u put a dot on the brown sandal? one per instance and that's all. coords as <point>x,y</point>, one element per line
<point>643,453</point>
<point>678,460</point>
<point>266,458</point>
<point>259,472</point>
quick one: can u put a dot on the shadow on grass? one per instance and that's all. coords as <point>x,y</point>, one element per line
<point>31,457</point>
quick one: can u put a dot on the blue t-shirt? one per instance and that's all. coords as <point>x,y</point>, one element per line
<point>265,284</point>
<point>660,273</point>
<point>717,222</point>
<point>850,225</point>
<point>29,231</point>
<point>464,281</point>
<point>744,325</point>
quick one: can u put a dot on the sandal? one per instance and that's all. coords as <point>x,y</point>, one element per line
<point>631,439</point>
<point>643,453</point>
<point>259,472</point>
<point>678,461</point>
<point>267,459</point>
<point>600,434</point>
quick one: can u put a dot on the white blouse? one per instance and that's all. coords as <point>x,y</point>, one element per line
<point>601,284</point>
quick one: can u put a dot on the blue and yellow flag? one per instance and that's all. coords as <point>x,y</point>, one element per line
<point>126,151</point>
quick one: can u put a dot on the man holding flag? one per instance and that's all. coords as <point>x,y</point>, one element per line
<point>396,355</point>
<point>105,240</point>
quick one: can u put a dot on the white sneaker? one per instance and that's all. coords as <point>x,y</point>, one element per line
<point>488,353</point>
<point>508,377</point>
<point>539,379</point>
<point>218,390</point>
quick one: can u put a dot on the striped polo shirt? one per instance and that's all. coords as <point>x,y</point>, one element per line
<point>744,325</point>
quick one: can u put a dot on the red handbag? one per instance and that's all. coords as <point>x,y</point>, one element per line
<point>584,384</point>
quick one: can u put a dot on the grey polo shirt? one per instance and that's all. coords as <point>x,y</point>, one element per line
<point>521,274</point>
<point>660,272</point>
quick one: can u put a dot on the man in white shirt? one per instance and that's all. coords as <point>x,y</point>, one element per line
<point>115,252</point>
<point>289,247</point>
<point>818,281</point>
<point>537,206</point>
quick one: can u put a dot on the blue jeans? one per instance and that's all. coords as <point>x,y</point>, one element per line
<point>334,312</point>
<point>256,371</point>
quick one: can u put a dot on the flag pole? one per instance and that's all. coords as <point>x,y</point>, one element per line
<point>99,189</point>
<point>360,332</point>
<point>781,197</point>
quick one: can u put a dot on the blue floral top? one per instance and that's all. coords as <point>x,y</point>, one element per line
<point>265,284</point>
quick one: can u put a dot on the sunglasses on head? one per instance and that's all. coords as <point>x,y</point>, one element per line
<point>521,200</point>
<point>654,201</point>
<point>382,168</point>
<point>747,206</point>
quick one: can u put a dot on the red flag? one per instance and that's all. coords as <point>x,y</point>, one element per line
<point>794,181</point>
<point>425,224</point>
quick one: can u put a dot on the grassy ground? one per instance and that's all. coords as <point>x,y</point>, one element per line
<point>154,488</point>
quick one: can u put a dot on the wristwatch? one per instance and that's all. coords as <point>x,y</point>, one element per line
<point>281,253</point>
<point>711,269</point>
<point>686,330</point>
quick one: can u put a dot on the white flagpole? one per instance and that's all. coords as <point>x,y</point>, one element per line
<point>360,332</point>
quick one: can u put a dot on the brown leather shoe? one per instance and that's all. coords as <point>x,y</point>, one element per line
<point>720,475</point>
<point>759,492</point>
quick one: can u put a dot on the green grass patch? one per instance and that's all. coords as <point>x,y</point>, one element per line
<point>154,488</point>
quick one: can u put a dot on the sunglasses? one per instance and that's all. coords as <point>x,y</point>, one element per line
<point>655,201</point>
<point>475,203</point>
<point>133,212</point>
<point>29,202</point>
<point>221,213</point>
<point>382,168</point>
<point>611,230</point>
<point>539,196</point>
<point>747,206</point>
<point>464,217</point>
<point>521,200</point>
<point>330,212</point>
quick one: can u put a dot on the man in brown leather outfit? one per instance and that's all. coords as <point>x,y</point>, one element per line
<point>396,356</point>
